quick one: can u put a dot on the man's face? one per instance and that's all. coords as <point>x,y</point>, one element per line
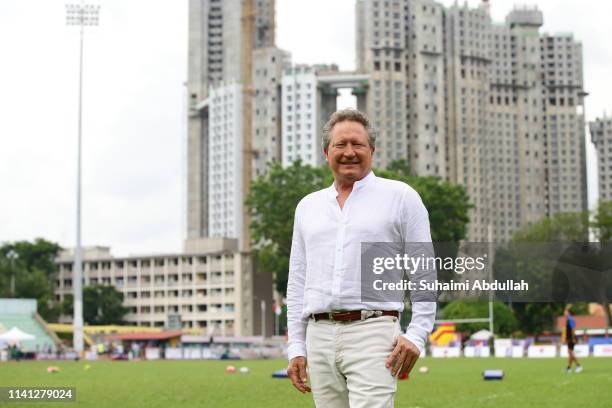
<point>349,154</point>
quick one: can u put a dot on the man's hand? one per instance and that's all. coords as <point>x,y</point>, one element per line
<point>297,373</point>
<point>403,357</point>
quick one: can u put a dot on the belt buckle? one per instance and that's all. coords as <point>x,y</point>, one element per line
<point>366,314</point>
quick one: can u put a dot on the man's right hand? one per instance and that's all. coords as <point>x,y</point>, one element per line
<point>297,373</point>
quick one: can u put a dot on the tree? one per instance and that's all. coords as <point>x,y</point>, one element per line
<point>602,221</point>
<point>504,322</point>
<point>561,227</point>
<point>447,204</point>
<point>39,254</point>
<point>517,259</point>
<point>102,304</point>
<point>273,198</point>
<point>400,167</point>
<point>272,201</point>
<point>536,318</point>
<point>34,270</point>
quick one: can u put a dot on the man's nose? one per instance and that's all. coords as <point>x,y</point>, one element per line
<point>348,151</point>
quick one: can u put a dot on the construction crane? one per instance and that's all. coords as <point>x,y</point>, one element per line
<point>247,25</point>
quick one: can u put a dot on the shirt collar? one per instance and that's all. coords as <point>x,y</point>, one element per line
<point>359,184</point>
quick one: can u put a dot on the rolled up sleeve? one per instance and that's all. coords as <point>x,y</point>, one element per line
<point>421,324</point>
<point>296,324</point>
<point>416,232</point>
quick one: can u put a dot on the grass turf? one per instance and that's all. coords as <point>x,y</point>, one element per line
<point>449,383</point>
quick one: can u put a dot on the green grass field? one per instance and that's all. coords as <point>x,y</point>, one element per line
<point>449,383</point>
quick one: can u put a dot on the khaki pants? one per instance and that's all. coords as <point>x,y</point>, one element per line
<point>346,362</point>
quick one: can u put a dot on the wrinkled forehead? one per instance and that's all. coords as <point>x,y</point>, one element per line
<point>348,130</point>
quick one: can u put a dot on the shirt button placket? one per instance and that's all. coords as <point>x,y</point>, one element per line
<point>338,262</point>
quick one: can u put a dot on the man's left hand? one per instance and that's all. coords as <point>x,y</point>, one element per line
<point>404,356</point>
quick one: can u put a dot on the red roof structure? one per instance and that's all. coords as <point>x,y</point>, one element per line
<point>584,322</point>
<point>165,335</point>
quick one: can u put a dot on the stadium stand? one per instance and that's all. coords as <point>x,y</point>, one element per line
<point>21,313</point>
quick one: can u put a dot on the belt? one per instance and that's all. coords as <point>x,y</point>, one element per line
<point>353,315</point>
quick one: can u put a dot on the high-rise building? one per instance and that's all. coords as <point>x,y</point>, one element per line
<point>300,137</point>
<point>564,123</point>
<point>381,52</point>
<point>268,65</point>
<point>515,146</point>
<point>225,173</point>
<point>466,34</point>
<point>230,42</point>
<point>309,97</point>
<point>495,107</point>
<point>601,136</point>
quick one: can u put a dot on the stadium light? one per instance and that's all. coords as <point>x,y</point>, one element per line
<point>12,255</point>
<point>263,318</point>
<point>81,15</point>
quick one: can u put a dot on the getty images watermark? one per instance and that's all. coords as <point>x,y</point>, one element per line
<point>533,272</point>
<point>460,265</point>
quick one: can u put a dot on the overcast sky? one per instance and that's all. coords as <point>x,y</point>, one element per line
<point>134,115</point>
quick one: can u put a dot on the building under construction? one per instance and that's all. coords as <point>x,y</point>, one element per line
<point>234,115</point>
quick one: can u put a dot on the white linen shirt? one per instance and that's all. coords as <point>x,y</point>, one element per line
<point>324,266</point>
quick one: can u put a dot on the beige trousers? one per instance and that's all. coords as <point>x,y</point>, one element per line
<point>346,362</point>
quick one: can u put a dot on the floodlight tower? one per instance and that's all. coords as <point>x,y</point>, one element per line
<point>12,255</point>
<point>81,15</point>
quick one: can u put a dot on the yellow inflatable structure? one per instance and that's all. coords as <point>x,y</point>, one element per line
<point>443,335</point>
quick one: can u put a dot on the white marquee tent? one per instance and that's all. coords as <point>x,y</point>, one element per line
<point>15,335</point>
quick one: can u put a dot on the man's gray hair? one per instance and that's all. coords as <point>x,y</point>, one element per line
<point>348,114</point>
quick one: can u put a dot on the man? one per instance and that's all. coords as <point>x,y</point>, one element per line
<point>570,340</point>
<point>353,349</point>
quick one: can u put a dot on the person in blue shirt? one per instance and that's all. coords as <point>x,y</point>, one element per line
<point>570,340</point>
